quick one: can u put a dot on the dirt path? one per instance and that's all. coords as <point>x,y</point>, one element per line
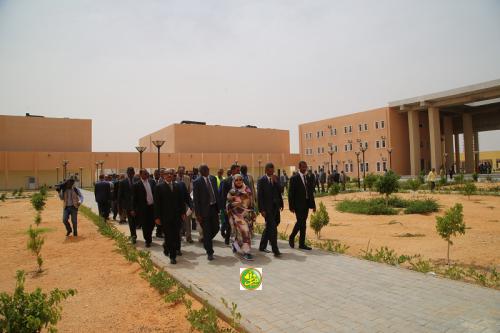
<point>112,297</point>
<point>479,246</point>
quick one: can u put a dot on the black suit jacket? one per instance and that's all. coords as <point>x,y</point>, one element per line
<point>186,197</point>
<point>297,200</point>
<point>201,196</point>
<point>139,196</point>
<point>169,205</point>
<point>269,196</point>
<point>125,194</point>
<point>102,191</point>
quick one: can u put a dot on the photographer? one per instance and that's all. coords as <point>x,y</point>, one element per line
<point>72,199</point>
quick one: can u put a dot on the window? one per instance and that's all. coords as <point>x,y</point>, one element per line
<point>360,127</point>
<point>319,134</point>
<point>365,144</point>
<point>384,166</point>
<point>366,127</point>
<point>383,144</point>
<point>348,147</point>
<point>345,129</point>
<point>346,168</point>
<point>350,128</point>
<point>378,166</point>
<point>382,124</point>
<point>333,131</point>
<point>351,167</point>
<point>366,166</point>
<point>321,150</point>
<point>376,125</point>
<point>377,144</point>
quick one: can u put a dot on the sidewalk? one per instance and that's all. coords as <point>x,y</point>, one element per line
<point>316,291</point>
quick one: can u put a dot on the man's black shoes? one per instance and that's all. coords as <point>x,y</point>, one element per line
<point>264,250</point>
<point>305,247</point>
<point>210,257</point>
<point>291,242</point>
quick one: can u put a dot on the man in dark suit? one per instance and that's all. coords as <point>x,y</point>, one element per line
<point>207,205</point>
<point>270,204</point>
<point>102,193</point>
<point>169,212</point>
<point>225,187</point>
<point>188,202</point>
<point>300,200</point>
<point>125,198</point>
<point>143,205</point>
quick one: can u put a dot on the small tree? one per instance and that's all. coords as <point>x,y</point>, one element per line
<point>319,219</point>
<point>388,184</point>
<point>475,176</point>
<point>38,202</point>
<point>450,224</point>
<point>370,180</point>
<point>334,190</point>
<point>35,243</point>
<point>469,189</point>
<point>25,312</point>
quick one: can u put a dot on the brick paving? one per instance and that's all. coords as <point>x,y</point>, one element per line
<point>316,291</point>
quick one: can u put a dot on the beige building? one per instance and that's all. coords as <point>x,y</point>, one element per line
<point>335,143</point>
<point>201,138</point>
<point>36,133</point>
<point>417,134</point>
<point>46,158</point>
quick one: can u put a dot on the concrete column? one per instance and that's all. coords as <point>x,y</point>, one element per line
<point>476,149</point>
<point>457,153</point>
<point>468,142</point>
<point>435,138</point>
<point>414,134</point>
<point>448,140</point>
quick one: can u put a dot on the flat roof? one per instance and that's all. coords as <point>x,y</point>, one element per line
<point>467,94</point>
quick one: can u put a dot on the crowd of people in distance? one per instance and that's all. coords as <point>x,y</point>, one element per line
<point>174,202</point>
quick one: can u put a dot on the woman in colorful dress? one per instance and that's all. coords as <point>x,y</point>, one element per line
<point>241,214</point>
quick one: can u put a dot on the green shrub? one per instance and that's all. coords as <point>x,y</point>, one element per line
<point>38,201</point>
<point>334,190</point>
<point>386,255</point>
<point>319,219</point>
<point>450,224</point>
<point>388,184</point>
<point>422,266</point>
<point>421,206</point>
<point>413,184</point>
<point>25,312</point>
<point>421,177</point>
<point>3,197</point>
<point>367,207</point>
<point>454,272</point>
<point>333,246</point>
<point>44,190</point>
<point>475,176</point>
<point>370,180</point>
<point>35,243</point>
<point>469,189</point>
<point>459,178</point>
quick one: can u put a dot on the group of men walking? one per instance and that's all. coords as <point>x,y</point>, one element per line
<point>174,203</point>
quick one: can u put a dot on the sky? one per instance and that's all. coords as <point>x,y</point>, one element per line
<point>134,67</point>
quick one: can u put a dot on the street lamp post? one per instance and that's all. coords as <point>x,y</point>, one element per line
<point>101,162</point>
<point>389,150</point>
<point>445,156</point>
<point>259,166</point>
<point>141,150</point>
<point>363,149</point>
<point>57,175</point>
<point>65,165</point>
<point>330,152</point>
<point>96,171</point>
<point>158,144</point>
<point>357,162</point>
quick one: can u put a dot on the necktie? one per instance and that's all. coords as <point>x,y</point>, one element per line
<point>210,191</point>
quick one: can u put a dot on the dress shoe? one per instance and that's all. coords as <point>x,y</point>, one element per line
<point>277,254</point>
<point>173,261</point>
<point>264,250</point>
<point>291,242</point>
<point>148,244</point>
<point>226,241</point>
<point>69,233</point>
<point>75,234</point>
<point>210,257</point>
<point>179,253</point>
<point>305,247</point>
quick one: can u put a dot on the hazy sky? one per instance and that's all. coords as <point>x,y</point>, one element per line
<point>136,66</point>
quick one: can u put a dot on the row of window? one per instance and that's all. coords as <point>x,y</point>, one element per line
<point>380,124</point>
<point>349,167</point>
<point>379,144</point>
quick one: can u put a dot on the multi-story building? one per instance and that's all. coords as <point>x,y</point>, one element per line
<point>364,139</point>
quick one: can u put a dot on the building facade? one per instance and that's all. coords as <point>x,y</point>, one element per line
<point>370,141</point>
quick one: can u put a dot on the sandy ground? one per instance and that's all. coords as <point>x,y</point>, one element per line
<point>480,246</point>
<point>112,297</point>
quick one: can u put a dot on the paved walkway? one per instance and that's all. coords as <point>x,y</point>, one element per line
<point>318,291</point>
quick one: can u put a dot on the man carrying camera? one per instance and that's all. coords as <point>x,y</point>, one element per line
<point>72,199</point>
